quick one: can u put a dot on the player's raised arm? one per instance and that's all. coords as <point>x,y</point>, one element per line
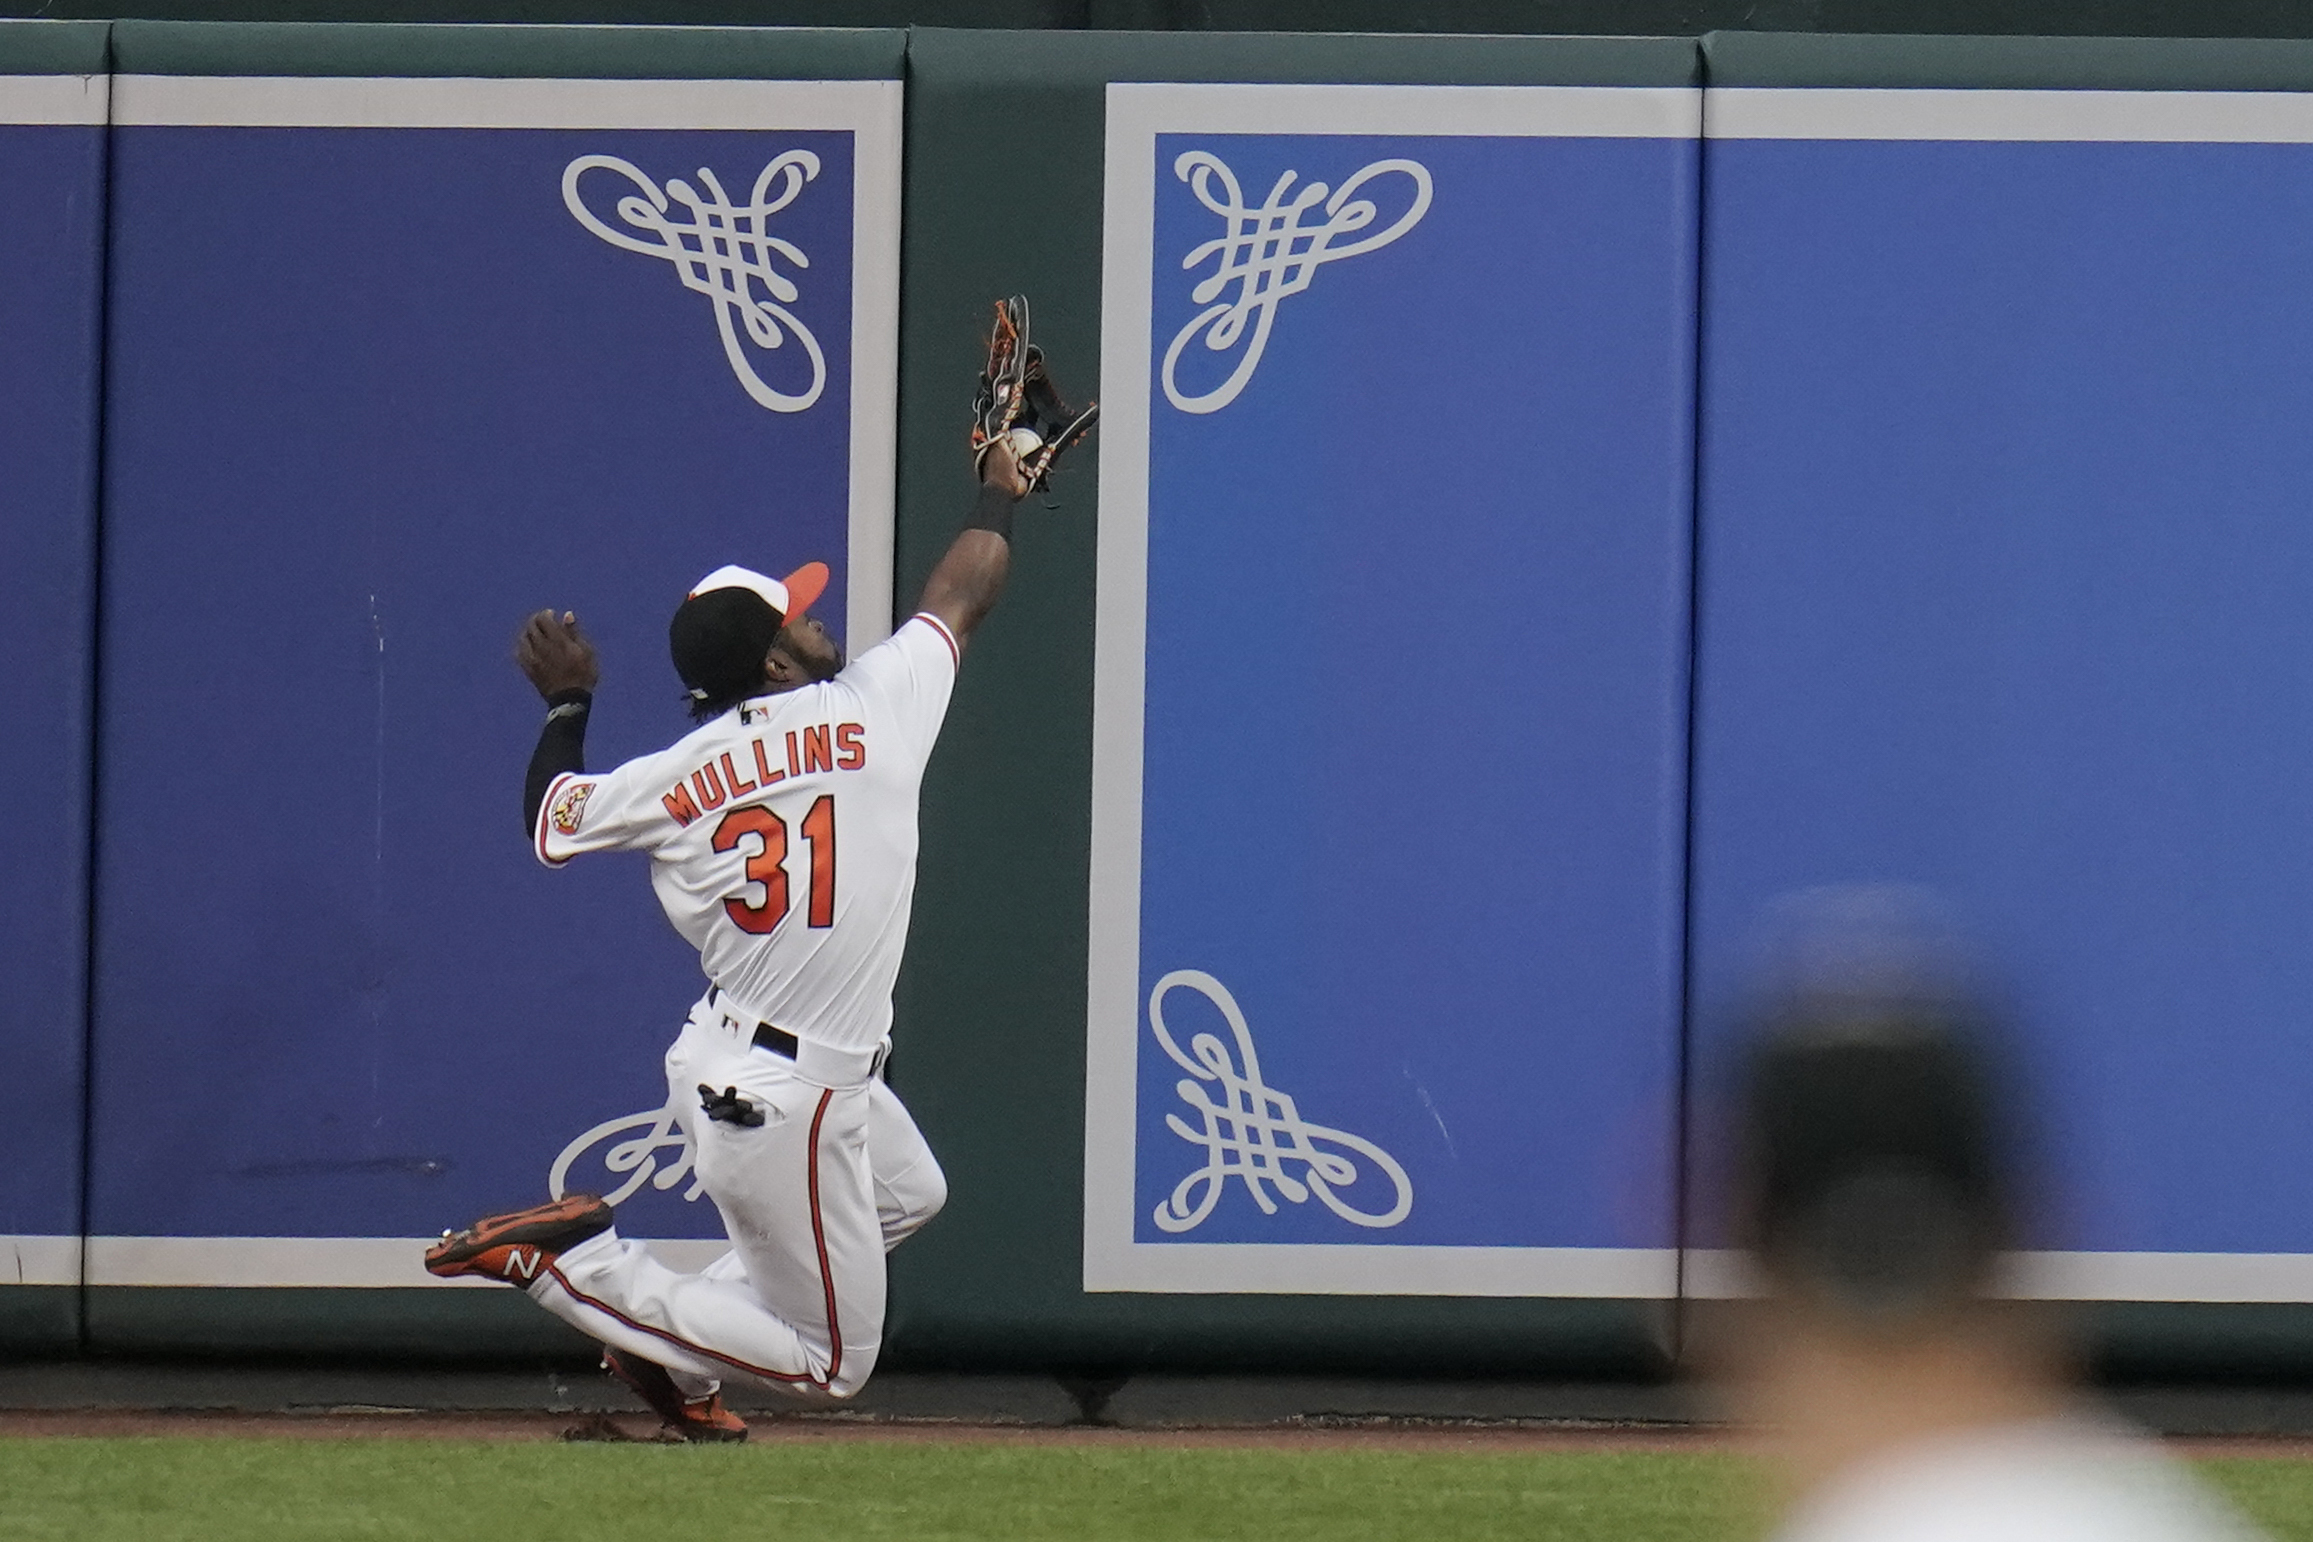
<point>562,664</point>
<point>1020,429</point>
<point>963,588</point>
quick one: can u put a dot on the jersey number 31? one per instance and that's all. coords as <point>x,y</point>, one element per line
<point>768,866</point>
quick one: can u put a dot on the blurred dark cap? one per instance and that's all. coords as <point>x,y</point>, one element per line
<point>1877,1163</point>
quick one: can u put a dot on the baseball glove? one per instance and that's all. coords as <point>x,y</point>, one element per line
<point>1017,400</point>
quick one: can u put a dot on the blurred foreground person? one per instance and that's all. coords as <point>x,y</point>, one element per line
<point>1879,1182</point>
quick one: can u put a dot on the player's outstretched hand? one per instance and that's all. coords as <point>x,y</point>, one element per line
<point>555,655</point>
<point>1000,467</point>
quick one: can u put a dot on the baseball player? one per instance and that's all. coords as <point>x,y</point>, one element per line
<point>1881,1180</point>
<point>782,836</point>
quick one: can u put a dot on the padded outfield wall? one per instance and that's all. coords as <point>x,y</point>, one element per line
<point>53,90</point>
<point>404,346</point>
<point>1311,765</point>
<point>2004,558</point>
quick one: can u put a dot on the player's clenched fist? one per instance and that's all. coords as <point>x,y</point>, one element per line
<point>555,655</point>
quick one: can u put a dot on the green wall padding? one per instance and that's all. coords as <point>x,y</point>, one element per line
<point>52,47</point>
<point>623,53</point>
<point>571,13</point>
<point>447,1327</point>
<point>2010,63</point>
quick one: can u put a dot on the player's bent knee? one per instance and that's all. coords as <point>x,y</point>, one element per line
<point>853,1375</point>
<point>911,1199</point>
<point>928,1194</point>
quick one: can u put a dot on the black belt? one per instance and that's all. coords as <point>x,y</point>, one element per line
<point>777,1040</point>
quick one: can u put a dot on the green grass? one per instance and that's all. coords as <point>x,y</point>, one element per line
<point>166,1489</point>
<point>2276,1492</point>
<point>176,1489</point>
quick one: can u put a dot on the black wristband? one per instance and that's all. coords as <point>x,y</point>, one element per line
<point>576,701</point>
<point>993,511</point>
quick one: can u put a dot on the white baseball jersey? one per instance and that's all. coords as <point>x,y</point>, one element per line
<point>782,835</point>
<point>2055,1480</point>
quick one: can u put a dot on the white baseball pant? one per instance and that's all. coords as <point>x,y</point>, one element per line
<point>812,1199</point>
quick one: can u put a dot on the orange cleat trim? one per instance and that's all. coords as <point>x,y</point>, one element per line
<point>520,1246</point>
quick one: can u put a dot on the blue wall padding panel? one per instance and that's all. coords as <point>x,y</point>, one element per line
<point>376,395</point>
<point>51,268</point>
<point>1416,709</point>
<point>2006,544</point>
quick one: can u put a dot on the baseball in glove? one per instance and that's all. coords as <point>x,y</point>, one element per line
<point>1017,400</point>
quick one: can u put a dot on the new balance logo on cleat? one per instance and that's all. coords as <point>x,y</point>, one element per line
<point>522,1245</point>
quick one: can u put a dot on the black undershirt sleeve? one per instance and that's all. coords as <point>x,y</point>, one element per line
<point>993,511</point>
<point>561,748</point>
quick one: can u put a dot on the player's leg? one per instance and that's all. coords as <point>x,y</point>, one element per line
<point>572,1261</point>
<point>804,1228</point>
<point>805,1314</point>
<point>909,1186</point>
<point>613,1290</point>
<point>691,1406</point>
<point>691,1388</point>
<point>729,1267</point>
<point>677,1394</point>
<point>909,1190</point>
<point>807,1230</point>
<point>708,1326</point>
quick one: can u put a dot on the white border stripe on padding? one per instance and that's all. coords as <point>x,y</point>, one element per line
<point>2149,117</point>
<point>2271,1277</point>
<point>356,1263</point>
<point>2281,1278</point>
<point>1630,1273</point>
<point>398,1262</point>
<point>1571,112</point>
<point>271,101</point>
<point>32,100</point>
<point>1647,1274</point>
<point>39,1260</point>
<point>876,110</point>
